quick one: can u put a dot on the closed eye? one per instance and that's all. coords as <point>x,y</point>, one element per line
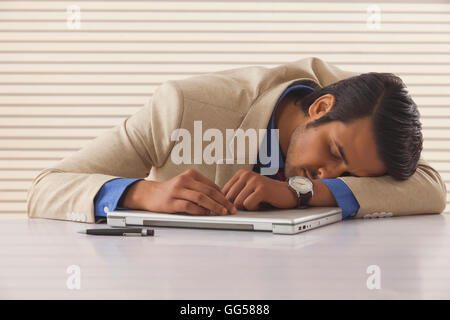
<point>332,154</point>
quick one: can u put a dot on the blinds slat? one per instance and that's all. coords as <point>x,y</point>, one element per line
<point>144,89</point>
<point>429,114</point>
<point>100,122</point>
<point>12,175</point>
<point>46,144</point>
<point>222,36</point>
<point>21,185</point>
<point>436,133</point>
<point>26,164</point>
<point>90,132</point>
<point>56,98</point>
<point>224,6</point>
<point>53,98</point>
<point>10,207</point>
<point>141,90</point>
<point>438,156</point>
<point>216,57</point>
<point>60,133</point>
<point>44,77</point>
<point>107,119</point>
<point>35,154</point>
<point>236,16</point>
<point>436,144</point>
<point>442,121</point>
<point>151,48</point>
<point>433,112</point>
<point>12,196</point>
<point>439,166</point>
<point>446,177</point>
<point>177,68</point>
<point>318,26</point>
<point>58,110</point>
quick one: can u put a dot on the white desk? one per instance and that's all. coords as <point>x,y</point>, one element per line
<point>330,262</point>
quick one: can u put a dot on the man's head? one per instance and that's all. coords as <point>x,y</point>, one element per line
<point>366,125</point>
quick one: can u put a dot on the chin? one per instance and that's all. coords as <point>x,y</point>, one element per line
<point>301,173</point>
<point>288,173</point>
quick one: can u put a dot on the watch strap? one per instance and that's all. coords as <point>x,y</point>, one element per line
<point>303,199</point>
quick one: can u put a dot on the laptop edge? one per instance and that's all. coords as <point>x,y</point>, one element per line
<point>124,218</point>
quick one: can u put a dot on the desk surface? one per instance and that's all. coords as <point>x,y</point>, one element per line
<point>327,263</point>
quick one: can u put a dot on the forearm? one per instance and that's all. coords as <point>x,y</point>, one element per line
<point>133,197</point>
<point>322,197</point>
<point>64,195</point>
<point>423,192</point>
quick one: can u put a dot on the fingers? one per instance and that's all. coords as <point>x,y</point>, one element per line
<point>242,196</point>
<point>198,176</point>
<point>247,189</point>
<point>235,189</point>
<point>253,201</point>
<point>216,195</point>
<point>194,187</point>
<point>204,201</point>
<point>189,207</point>
<point>230,183</point>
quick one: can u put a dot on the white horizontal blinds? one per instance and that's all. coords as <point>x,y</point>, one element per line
<point>61,87</point>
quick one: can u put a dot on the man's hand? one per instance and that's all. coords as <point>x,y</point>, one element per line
<point>248,189</point>
<point>188,192</point>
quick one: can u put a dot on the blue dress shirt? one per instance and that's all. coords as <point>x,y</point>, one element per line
<point>109,195</point>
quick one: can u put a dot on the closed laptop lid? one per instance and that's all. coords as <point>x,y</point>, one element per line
<point>277,216</point>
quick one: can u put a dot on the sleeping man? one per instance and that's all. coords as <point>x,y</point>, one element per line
<point>304,133</point>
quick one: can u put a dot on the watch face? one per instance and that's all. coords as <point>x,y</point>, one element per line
<point>301,184</point>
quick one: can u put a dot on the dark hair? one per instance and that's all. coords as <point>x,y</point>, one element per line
<point>395,116</point>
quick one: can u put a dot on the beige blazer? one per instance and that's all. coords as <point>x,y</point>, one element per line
<point>140,146</point>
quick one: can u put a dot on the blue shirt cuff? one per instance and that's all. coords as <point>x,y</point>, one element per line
<point>110,194</point>
<point>344,196</point>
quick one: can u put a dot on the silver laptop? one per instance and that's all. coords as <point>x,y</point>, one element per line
<point>284,221</point>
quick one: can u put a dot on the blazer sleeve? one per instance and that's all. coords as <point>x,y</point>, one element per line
<point>423,193</point>
<point>66,191</point>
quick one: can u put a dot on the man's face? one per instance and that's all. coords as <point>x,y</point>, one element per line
<point>333,149</point>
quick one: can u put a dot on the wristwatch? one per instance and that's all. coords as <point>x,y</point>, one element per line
<point>303,188</point>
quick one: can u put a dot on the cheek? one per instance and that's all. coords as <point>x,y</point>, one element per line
<point>295,144</point>
<point>298,146</point>
<point>307,148</point>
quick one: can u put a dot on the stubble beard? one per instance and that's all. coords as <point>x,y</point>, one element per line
<point>289,170</point>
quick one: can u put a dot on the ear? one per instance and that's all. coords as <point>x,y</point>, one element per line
<point>321,106</point>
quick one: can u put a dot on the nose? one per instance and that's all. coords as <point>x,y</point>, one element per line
<point>329,171</point>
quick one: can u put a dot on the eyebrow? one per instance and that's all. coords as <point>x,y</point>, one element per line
<point>341,151</point>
